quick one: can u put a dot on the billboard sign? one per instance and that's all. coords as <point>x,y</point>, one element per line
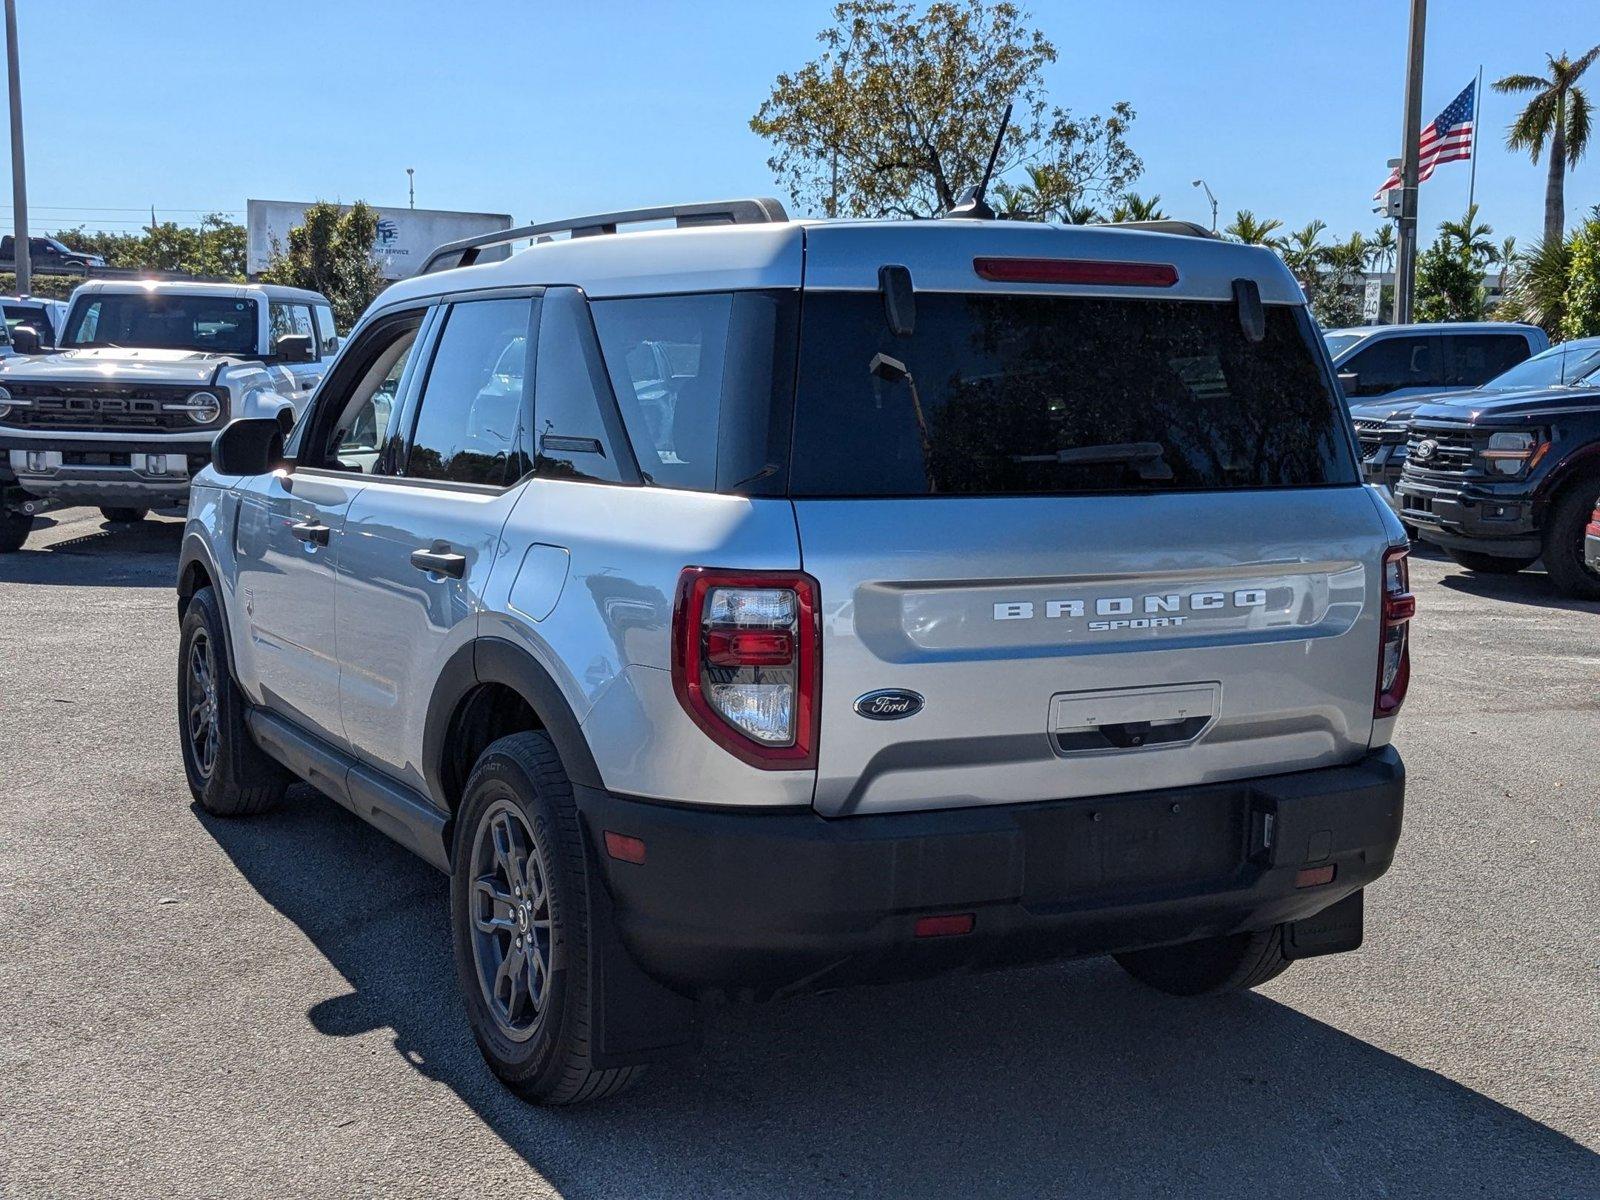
<point>406,236</point>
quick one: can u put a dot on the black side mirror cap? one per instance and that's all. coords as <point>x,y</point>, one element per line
<point>252,446</point>
<point>1349,381</point>
<point>899,300</point>
<point>25,340</point>
<point>293,348</point>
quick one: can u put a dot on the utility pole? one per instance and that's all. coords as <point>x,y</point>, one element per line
<point>19,182</point>
<point>411,185</point>
<point>1405,279</point>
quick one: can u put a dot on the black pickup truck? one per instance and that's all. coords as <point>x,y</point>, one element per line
<point>1501,479</point>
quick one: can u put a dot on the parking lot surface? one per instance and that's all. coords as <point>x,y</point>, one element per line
<point>267,1007</point>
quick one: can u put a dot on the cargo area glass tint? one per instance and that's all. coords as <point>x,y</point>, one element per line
<point>1044,395</point>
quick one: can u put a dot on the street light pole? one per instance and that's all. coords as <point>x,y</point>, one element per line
<point>1405,278</point>
<point>411,182</point>
<point>19,182</point>
<point>1201,183</point>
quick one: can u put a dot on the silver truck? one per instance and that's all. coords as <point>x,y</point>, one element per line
<point>123,414</point>
<point>757,606</point>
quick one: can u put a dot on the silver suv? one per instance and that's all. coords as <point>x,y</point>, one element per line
<point>757,606</point>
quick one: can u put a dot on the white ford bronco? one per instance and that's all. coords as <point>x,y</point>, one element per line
<point>122,415</point>
<point>758,605</point>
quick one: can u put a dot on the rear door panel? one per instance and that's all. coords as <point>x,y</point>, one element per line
<point>1001,611</point>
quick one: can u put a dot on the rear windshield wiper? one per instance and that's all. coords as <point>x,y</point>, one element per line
<point>1149,458</point>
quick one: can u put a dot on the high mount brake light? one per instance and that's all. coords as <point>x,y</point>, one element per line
<point>1076,270</point>
<point>746,651</point>
<point>1394,641</point>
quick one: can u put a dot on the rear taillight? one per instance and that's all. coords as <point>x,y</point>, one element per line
<point>1394,646</point>
<point>1592,529</point>
<point>745,651</point>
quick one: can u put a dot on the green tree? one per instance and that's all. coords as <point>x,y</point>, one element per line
<point>1252,232</point>
<point>1474,237</point>
<point>1381,248</point>
<point>1558,114</point>
<point>214,248</point>
<point>1537,291</point>
<point>901,109</point>
<point>331,253</point>
<point>1449,283</point>
<point>1582,315</point>
<point>1134,207</point>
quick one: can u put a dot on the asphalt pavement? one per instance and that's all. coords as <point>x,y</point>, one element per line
<point>194,1007</point>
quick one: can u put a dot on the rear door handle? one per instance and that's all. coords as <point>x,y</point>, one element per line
<point>311,532</point>
<point>440,562</point>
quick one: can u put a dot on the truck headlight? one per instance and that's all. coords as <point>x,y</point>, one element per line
<point>202,407</point>
<point>1514,453</point>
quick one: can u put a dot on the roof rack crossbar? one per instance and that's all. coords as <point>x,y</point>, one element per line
<point>716,212</point>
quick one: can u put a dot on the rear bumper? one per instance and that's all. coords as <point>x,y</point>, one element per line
<point>767,903</point>
<point>1470,517</point>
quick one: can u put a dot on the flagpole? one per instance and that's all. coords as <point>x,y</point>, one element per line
<point>1477,119</point>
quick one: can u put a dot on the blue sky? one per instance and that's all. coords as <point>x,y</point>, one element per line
<point>1289,108</point>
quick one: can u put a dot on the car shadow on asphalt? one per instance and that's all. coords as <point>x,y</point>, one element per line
<point>1067,1079</point>
<point>1531,585</point>
<point>138,554</point>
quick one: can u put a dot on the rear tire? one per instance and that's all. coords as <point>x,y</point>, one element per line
<point>1234,963</point>
<point>121,516</point>
<point>1563,542</point>
<point>519,915</point>
<point>14,530</point>
<point>228,774</point>
<point>1489,564</point>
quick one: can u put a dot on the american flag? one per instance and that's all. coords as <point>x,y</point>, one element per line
<point>1448,138</point>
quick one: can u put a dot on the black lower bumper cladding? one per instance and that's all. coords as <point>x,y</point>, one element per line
<point>764,903</point>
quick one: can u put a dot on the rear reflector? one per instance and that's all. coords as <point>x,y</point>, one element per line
<point>624,848</point>
<point>1315,876</point>
<point>949,925</point>
<point>1076,270</point>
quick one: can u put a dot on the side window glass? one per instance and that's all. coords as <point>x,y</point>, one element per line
<point>666,357</point>
<point>367,422</point>
<point>471,407</point>
<point>1394,363</point>
<point>1477,358</point>
<point>571,394</point>
<point>327,335</point>
<point>291,319</point>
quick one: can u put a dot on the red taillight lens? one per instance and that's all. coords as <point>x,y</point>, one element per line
<point>745,662</point>
<point>1076,270</point>
<point>1592,529</point>
<point>1394,645</point>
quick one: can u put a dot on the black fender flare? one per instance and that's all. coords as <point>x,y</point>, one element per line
<point>194,551</point>
<point>1583,461</point>
<point>496,660</point>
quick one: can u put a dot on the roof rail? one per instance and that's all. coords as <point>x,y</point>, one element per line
<point>1185,228</point>
<point>716,212</point>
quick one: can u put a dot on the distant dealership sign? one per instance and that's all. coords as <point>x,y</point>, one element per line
<point>405,235</point>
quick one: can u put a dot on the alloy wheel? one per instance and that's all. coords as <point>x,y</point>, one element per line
<point>511,921</point>
<point>204,724</point>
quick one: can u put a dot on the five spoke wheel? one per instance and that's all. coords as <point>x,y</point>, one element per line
<point>204,728</point>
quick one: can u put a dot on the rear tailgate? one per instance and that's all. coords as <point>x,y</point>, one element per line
<point>1202,615</point>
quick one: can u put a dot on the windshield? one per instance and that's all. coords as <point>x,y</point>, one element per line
<point>1556,366</point>
<point>1338,343</point>
<point>1014,395</point>
<point>152,320</point>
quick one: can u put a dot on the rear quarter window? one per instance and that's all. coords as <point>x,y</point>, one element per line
<point>1020,395</point>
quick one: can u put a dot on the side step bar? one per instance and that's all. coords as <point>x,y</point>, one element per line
<point>392,808</point>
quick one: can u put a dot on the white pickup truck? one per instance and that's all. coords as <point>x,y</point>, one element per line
<point>145,374</point>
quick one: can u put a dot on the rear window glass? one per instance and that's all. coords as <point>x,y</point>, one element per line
<point>1019,395</point>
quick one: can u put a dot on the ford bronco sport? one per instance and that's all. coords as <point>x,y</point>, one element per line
<point>762,605</point>
<point>146,374</point>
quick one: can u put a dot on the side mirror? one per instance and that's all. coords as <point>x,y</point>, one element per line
<point>1349,381</point>
<point>25,340</point>
<point>251,446</point>
<point>293,348</point>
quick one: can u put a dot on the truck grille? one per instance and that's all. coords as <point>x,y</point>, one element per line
<point>98,407</point>
<point>1370,434</point>
<point>1452,450</point>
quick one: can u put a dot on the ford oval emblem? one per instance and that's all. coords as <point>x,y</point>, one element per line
<point>889,704</point>
<point>1425,449</point>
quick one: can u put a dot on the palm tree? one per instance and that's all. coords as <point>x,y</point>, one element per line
<point>1474,238</point>
<point>1559,114</point>
<point>1134,207</point>
<point>1380,248</point>
<point>1537,293</point>
<point>1247,229</point>
<point>1080,214</point>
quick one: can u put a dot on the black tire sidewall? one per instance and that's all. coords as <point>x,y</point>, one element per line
<point>1564,537</point>
<point>536,1063</point>
<point>219,794</point>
